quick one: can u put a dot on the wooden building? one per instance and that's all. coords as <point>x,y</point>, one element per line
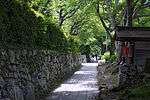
<point>139,38</point>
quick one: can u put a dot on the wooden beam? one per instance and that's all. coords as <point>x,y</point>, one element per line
<point>133,33</point>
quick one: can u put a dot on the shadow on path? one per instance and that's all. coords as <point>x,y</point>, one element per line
<point>81,86</point>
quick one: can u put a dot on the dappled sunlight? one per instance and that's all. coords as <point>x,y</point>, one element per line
<point>85,72</point>
<point>86,82</point>
<point>90,64</point>
<point>82,84</point>
<point>82,80</point>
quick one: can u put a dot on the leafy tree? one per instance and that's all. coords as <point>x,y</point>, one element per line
<point>68,24</point>
<point>65,9</point>
<point>23,27</point>
<point>113,13</point>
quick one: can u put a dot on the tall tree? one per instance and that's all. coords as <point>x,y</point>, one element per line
<point>129,12</point>
<point>65,9</point>
<point>112,23</point>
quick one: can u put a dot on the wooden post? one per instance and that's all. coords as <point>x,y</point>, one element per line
<point>131,53</point>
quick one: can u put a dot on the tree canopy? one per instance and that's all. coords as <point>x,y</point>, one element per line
<point>68,24</point>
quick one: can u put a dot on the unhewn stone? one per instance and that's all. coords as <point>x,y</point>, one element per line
<point>28,74</point>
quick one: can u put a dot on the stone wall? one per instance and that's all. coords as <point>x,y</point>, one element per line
<point>130,74</point>
<point>29,74</point>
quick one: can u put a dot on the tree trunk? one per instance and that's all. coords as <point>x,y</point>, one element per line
<point>129,24</point>
<point>60,23</point>
<point>129,13</point>
<point>111,49</point>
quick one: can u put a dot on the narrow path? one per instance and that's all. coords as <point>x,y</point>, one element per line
<point>81,86</point>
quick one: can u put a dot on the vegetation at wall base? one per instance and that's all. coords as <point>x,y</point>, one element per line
<point>137,92</point>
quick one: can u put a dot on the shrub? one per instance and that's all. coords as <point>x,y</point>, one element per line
<point>106,56</point>
<point>21,28</point>
<point>113,58</point>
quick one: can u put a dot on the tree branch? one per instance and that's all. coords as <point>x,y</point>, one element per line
<point>72,12</point>
<point>139,8</point>
<point>101,20</point>
<point>144,15</point>
<point>61,18</point>
<point>47,2</point>
<point>76,25</point>
<point>67,15</point>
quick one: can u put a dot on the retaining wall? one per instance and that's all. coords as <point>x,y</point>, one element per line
<point>29,74</point>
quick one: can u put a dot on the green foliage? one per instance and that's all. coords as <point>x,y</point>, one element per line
<point>138,92</point>
<point>43,23</point>
<point>106,56</point>
<point>56,38</point>
<point>113,58</point>
<point>78,17</point>
<point>21,27</point>
<point>73,45</point>
<point>142,91</point>
<point>15,26</point>
<point>85,49</point>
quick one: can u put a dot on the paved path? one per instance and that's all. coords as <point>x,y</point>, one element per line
<point>81,86</point>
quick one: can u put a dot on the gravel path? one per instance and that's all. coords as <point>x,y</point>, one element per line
<point>81,86</point>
